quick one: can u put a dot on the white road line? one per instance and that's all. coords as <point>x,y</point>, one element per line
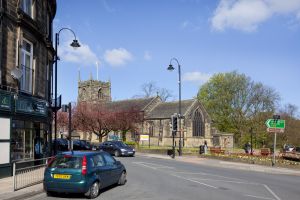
<point>276,197</point>
<point>153,166</point>
<point>257,197</point>
<point>138,163</point>
<point>238,182</point>
<point>207,174</point>
<point>187,179</point>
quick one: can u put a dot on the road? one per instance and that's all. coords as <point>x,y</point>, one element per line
<point>160,179</point>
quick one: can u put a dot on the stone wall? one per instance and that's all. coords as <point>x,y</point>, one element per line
<point>17,25</point>
<point>94,91</point>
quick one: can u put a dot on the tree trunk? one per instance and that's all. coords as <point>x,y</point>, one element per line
<point>100,138</point>
<point>124,136</point>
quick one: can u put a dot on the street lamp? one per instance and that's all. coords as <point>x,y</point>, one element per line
<point>75,44</point>
<point>171,68</point>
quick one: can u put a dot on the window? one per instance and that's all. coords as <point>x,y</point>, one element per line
<point>198,125</point>
<point>100,94</point>
<point>151,129</point>
<point>109,159</point>
<point>26,66</point>
<point>26,6</point>
<point>98,161</point>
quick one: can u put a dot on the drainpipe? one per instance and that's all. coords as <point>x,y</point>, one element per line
<point>1,31</point>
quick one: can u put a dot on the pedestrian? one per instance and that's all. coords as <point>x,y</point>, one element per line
<point>205,147</point>
<point>247,147</point>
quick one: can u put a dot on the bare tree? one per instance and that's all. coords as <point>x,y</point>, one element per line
<point>150,90</point>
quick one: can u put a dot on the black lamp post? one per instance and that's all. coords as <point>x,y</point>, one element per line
<point>75,44</point>
<point>171,68</point>
<point>68,108</point>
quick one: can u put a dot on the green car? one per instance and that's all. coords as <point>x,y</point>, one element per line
<point>83,172</point>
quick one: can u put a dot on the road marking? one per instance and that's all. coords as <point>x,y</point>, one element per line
<point>207,174</point>
<point>238,182</point>
<point>241,181</point>
<point>257,197</point>
<point>153,166</point>
<point>187,179</point>
<point>273,193</point>
<point>140,163</point>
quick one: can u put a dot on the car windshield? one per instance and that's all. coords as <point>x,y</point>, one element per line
<point>66,162</point>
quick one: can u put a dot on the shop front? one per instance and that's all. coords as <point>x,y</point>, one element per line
<point>24,130</point>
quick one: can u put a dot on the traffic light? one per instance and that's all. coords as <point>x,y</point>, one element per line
<point>174,122</point>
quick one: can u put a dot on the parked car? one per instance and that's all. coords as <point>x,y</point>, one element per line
<point>117,148</point>
<point>288,148</point>
<point>82,145</point>
<point>83,172</point>
<point>61,144</point>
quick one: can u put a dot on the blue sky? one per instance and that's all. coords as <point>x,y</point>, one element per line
<point>134,40</point>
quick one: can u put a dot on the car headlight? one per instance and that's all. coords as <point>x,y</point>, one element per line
<point>123,149</point>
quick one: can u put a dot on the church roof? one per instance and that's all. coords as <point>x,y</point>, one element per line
<point>136,104</point>
<point>166,109</point>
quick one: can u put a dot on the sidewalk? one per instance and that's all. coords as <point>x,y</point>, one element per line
<point>7,193</point>
<point>225,164</point>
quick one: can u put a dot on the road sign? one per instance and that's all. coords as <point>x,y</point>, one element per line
<point>144,137</point>
<point>278,124</point>
<point>277,130</point>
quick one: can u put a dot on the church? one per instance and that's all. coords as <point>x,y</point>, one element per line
<point>196,124</point>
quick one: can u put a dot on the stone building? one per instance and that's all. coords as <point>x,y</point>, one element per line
<point>93,91</point>
<point>26,59</point>
<point>196,123</point>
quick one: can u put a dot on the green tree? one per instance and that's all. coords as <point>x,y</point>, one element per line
<point>235,102</point>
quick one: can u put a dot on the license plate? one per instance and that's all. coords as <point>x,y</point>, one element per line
<point>61,176</point>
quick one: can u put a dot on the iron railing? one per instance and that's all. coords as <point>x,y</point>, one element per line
<point>28,173</point>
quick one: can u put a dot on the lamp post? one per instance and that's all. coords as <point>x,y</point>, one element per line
<point>68,108</point>
<point>171,68</point>
<point>75,44</point>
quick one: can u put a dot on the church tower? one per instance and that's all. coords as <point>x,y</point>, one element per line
<point>93,90</point>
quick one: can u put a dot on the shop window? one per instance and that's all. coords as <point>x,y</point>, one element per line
<point>27,7</point>
<point>26,66</point>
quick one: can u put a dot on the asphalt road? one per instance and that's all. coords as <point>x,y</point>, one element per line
<point>159,179</point>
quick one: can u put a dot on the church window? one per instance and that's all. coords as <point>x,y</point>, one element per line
<point>198,125</point>
<point>151,129</point>
<point>100,94</point>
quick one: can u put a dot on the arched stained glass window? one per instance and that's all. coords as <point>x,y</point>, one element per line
<point>198,124</point>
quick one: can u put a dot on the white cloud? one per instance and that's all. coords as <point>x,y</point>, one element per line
<point>196,77</point>
<point>246,15</point>
<point>117,57</point>
<point>82,55</point>
<point>147,55</point>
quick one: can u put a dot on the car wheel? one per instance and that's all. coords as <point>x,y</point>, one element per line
<point>93,191</point>
<point>117,153</point>
<point>122,179</point>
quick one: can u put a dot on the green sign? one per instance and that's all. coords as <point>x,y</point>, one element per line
<point>278,124</point>
<point>5,101</point>
<point>31,106</point>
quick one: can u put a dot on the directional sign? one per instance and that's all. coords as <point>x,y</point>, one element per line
<point>275,130</point>
<point>278,124</point>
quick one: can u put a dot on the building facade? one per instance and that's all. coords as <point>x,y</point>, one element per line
<point>196,125</point>
<point>26,59</point>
